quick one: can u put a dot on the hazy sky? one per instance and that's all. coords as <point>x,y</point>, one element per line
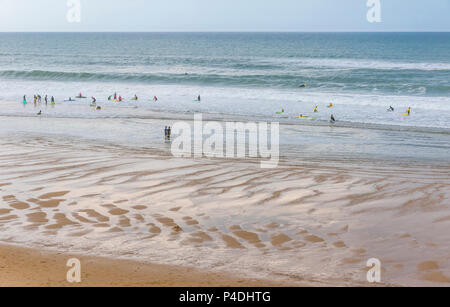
<point>224,15</point>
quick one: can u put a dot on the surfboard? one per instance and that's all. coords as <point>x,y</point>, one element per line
<point>301,116</point>
<point>402,115</point>
<point>81,97</point>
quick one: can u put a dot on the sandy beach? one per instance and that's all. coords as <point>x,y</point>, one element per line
<point>21,267</point>
<point>303,223</point>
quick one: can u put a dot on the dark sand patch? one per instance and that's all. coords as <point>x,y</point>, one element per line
<point>231,242</point>
<point>19,205</point>
<point>53,194</point>
<point>118,211</point>
<point>279,239</point>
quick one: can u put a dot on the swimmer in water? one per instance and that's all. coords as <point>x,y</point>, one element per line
<point>39,113</point>
<point>155,98</point>
<point>330,105</point>
<point>391,109</point>
<point>332,120</point>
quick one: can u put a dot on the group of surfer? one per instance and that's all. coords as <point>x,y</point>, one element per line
<point>37,99</point>
<point>316,110</point>
<point>333,119</point>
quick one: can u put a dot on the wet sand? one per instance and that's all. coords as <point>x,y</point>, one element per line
<point>21,267</point>
<point>301,223</point>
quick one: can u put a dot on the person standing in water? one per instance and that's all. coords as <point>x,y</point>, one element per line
<point>52,101</point>
<point>24,101</point>
<point>115,96</point>
<point>199,98</point>
<point>315,109</point>
<point>332,120</point>
<point>409,111</point>
<point>155,98</point>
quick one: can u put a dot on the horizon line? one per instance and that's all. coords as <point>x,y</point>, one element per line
<point>241,31</point>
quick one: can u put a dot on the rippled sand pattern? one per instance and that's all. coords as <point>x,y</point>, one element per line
<point>299,221</point>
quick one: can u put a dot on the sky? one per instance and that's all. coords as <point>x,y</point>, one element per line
<point>223,15</point>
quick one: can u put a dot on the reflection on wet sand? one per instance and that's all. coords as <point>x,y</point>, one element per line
<point>298,222</point>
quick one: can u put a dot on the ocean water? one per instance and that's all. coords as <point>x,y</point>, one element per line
<point>245,74</point>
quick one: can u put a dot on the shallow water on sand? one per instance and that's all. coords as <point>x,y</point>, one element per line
<point>96,186</point>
